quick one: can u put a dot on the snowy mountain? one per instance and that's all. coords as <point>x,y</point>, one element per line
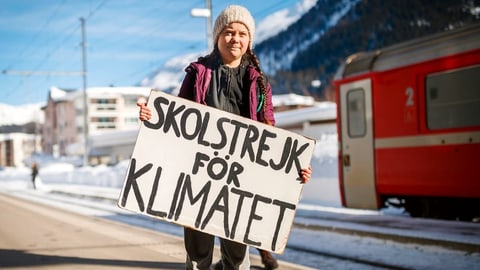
<point>280,50</point>
<point>333,30</point>
<point>308,41</point>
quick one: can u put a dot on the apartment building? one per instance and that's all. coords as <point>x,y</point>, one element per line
<point>109,109</point>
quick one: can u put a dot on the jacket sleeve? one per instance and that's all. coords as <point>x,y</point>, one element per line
<point>187,89</point>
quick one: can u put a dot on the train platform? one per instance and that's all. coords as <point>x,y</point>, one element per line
<point>36,236</point>
<point>451,234</point>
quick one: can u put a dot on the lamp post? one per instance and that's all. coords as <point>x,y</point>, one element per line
<point>207,14</point>
<point>85,105</point>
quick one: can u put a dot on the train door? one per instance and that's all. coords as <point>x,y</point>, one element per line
<point>357,145</point>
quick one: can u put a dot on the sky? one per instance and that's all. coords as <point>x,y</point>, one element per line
<point>126,40</point>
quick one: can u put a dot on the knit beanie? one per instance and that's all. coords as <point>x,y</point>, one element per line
<point>231,14</point>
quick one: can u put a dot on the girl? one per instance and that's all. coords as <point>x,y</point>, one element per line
<point>230,79</point>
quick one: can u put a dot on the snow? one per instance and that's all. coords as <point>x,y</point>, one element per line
<point>19,115</point>
<point>105,182</point>
<point>281,20</point>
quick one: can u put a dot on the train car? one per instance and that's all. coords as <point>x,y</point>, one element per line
<point>409,126</point>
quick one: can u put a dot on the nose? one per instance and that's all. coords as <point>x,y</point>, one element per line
<point>235,37</point>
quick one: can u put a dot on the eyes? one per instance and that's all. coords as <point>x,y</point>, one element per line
<point>231,33</point>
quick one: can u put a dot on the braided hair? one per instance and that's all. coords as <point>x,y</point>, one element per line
<point>261,82</point>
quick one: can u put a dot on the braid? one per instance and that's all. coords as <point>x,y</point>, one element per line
<point>260,81</point>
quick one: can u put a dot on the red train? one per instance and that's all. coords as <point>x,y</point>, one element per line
<point>408,120</point>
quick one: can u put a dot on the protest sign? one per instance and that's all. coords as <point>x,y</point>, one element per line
<point>216,172</point>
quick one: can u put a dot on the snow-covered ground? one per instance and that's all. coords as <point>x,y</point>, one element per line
<point>106,182</point>
<point>320,198</point>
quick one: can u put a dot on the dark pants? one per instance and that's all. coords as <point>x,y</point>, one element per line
<point>200,245</point>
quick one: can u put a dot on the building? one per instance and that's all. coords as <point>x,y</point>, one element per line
<point>109,109</point>
<point>16,147</point>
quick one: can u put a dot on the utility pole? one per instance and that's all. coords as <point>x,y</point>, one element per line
<point>85,105</point>
<point>207,13</point>
<point>83,73</point>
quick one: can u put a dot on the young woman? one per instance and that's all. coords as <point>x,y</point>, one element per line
<point>230,79</point>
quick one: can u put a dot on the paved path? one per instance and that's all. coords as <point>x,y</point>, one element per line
<point>34,236</point>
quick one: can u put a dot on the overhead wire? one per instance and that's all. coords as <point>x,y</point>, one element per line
<point>49,53</point>
<point>179,20</point>
<point>92,13</point>
<point>36,35</point>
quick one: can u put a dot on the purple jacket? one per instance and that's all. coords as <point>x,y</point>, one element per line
<point>197,81</point>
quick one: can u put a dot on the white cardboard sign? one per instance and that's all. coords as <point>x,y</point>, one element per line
<point>216,172</point>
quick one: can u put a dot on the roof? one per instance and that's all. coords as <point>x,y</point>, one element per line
<point>59,95</point>
<point>413,51</point>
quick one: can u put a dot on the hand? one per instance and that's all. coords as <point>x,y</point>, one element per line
<point>145,113</point>
<point>305,174</point>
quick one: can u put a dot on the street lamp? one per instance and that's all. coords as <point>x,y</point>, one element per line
<point>207,14</point>
<point>316,83</point>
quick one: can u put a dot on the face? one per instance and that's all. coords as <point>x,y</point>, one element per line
<point>233,43</point>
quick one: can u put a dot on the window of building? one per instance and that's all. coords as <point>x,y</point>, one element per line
<point>105,104</point>
<point>131,101</point>
<point>104,119</point>
<point>130,120</point>
<point>453,98</point>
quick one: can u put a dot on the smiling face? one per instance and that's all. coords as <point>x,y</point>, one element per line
<point>233,43</point>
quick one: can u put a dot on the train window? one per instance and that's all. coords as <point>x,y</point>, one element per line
<point>453,98</point>
<point>356,113</point>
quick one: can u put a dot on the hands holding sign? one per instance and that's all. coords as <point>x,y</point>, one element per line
<point>145,114</point>
<point>306,174</point>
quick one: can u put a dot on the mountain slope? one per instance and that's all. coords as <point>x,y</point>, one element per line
<point>278,52</point>
<point>314,45</point>
<point>368,25</point>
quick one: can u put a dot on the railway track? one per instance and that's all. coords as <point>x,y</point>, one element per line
<point>358,263</point>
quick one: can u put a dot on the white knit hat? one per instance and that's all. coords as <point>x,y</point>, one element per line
<point>231,14</point>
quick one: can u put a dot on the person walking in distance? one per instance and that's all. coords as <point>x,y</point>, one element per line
<point>230,79</point>
<point>34,174</point>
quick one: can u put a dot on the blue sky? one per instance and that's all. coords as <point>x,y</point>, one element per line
<point>126,40</point>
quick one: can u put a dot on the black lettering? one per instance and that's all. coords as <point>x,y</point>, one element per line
<point>161,118</point>
<point>131,182</point>
<point>242,194</point>
<point>238,125</point>
<point>262,146</point>
<point>154,194</point>
<point>199,157</point>
<point>283,206</point>
<point>223,135</point>
<point>170,120</point>
<point>203,129</point>
<point>198,123</point>
<point>175,196</point>
<point>218,163</point>
<point>203,194</point>
<point>217,206</point>
<point>284,158</point>
<point>294,157</point>
<point>233,173</point>
<point>250,138</point>
<point>254,216</point>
